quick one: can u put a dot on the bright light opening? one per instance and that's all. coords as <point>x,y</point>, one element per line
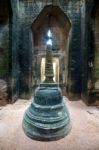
<point>49,42</point>
<point>49,33</point>
<point>55,69</point>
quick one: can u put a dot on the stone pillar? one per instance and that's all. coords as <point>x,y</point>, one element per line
<point>88,55</point>
<point>74,67</point>
<point>94,92</point>
<point>96,53</point>
<point>24,14</point>
<point>14,33</point>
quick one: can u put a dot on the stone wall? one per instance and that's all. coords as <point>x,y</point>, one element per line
<point>4,64</point>
<point>96,45</point>
<point>82,73</point>
<point>24,13</point>
<point>60,27</point>
<point>4,51</point>
<point>89,58</point>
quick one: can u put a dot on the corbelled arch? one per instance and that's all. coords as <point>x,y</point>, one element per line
<point>60,26</point>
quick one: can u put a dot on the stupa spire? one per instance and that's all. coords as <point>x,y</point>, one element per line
<point>49,74</point>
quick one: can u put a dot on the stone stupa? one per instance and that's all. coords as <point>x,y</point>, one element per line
<point>47,118</point>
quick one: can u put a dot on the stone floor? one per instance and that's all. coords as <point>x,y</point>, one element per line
<point>83,136</point>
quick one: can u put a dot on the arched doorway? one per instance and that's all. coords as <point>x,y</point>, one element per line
<point>60,26</point>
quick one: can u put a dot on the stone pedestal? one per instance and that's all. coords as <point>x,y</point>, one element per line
<point>47,118</point>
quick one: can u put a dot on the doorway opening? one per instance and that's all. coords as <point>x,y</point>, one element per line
<point>60,27</point>
<point>55,62</point>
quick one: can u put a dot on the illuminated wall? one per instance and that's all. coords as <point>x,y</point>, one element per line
<point>55,61</point>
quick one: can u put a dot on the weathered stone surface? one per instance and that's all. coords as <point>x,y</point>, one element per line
<point>82,45</point>
<point>3,93</point>
<point>47,118</point>
<point>89,54</point>
<point>25,15</point>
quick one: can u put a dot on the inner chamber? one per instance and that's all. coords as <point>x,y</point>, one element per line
<point>60,27</point>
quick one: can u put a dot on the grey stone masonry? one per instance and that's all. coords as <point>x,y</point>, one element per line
<point>24,14</point>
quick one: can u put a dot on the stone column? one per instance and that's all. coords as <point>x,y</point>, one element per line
<point>96,53</point>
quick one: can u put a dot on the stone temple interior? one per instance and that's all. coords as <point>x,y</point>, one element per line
<point>23,35</point>
<point>75,28</point>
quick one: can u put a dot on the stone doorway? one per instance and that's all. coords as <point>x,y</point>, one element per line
<point>55,68</point>
<point>60,26</point>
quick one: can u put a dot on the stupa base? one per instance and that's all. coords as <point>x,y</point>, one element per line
<point>46,123</point>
